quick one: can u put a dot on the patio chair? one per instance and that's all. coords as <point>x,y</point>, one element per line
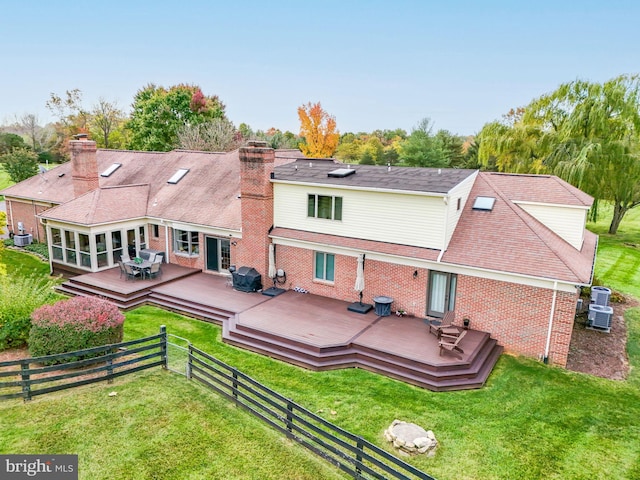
<point>436,326</point>
<point>125,257</point>
<point>131,272</point>
<point>152,257</point>
<point>451,346</point>
<point>122,269</point>
<point>154,270</point>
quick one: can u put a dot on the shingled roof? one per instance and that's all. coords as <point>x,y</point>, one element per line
<point>508,239</point>
<point>207,195</point>
<point>316,171</point>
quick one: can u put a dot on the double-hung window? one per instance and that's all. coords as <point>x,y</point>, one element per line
<point>324,206</point>
<point>186,242</point>
<point>324,266</point>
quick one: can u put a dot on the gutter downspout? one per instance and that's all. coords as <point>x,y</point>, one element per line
<point>166,241</point>
<point>545,359</point>
<point>440,256</point>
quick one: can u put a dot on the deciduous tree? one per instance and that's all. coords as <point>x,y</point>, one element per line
<point>20,164</point>
<point>216,135</point>
<point>158,114</point>
<point>319,131</point>
<point>106,122</point>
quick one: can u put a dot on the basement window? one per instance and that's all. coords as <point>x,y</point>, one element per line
<point>484,203</point>
<point>178,176</point>
<point>110,170</point>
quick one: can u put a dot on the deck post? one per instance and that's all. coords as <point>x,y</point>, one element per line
<point>26,384</point>
<point>163,347</point>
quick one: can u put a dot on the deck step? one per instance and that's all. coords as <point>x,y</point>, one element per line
<point>456,377</point>
<point>203,312</point>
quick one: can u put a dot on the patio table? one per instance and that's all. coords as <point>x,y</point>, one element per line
<point>141,267</point>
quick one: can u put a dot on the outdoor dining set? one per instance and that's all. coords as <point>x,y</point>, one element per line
<point>140,268</point>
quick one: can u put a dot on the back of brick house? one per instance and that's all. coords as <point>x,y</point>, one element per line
<point>508,252</point>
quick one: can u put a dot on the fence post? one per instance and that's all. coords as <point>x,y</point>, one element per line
<point>188,367</point>
<point>235,384</point>
<point>289,415</point>
<point>360,447</point>
<point>109,369</point>
<point>163,346</point>
<point>26,385</point>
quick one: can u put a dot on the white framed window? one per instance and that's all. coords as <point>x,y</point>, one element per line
<point>324,206</point>
<point>185,242</point>
<point>324,268</point>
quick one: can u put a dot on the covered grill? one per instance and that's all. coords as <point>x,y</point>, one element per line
<point>247,279</point>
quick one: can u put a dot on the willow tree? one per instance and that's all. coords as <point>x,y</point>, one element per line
<point>597,139</point>
<point>319,131</point>
<point>586,133</point>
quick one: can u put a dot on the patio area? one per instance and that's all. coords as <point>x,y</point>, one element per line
<point>314,332</point>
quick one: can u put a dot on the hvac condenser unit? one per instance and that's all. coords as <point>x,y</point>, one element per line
<point>599,317</point>
<point>22,240</point>
<point>600,295</point>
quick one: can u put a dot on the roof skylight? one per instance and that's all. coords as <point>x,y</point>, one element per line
<point>341,172</point>
<point>111,169</point>
<point>178,176</point>
<point>484,203</point>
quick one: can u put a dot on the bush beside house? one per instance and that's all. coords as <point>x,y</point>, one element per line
<point>19,297</point>
<point>74,324</point>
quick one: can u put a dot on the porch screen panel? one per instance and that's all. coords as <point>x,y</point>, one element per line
<point>101,249</point>
<point>70,247</point>
<point>85,250</point>
<point>116,246</point>
<point>56,244</point>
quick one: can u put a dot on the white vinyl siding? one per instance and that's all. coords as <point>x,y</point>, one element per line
<point>460,192</point>
<point>567,222</point>
<point>406,219</point>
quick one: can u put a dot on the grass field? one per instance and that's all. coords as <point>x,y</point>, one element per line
<point>554,425</point>
<point>5,181</point>
<point>618,261</point>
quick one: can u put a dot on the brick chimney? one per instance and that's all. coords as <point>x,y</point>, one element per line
<point>84,166</point>
<point>256,194</point>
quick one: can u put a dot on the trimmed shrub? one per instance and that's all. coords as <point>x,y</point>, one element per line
<point>19,297</point>
<point>38,248</point>
<point>74,324</point>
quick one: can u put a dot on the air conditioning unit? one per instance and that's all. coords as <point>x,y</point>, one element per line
<point>22,240</point>
<point>600,295</point>
<point>599,317</point>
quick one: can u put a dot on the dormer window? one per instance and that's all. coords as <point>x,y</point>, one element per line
<point>110,170</point>
<point>178,176</point>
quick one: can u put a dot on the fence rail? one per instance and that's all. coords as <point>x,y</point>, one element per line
<point>351,453</point>
<point>106,363</point>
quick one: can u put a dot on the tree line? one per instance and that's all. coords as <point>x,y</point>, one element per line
<point>584,132</point>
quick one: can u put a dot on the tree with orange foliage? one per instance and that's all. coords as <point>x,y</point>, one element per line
<point>319,131</point>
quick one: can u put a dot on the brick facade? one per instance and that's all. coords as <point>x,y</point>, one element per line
<point>25,212</point>
<point>256,191</point>
<point>84,166</point>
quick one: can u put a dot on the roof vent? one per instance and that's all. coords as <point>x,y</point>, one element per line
<point>484,203</point>
<point>341,172</point>
<point>178,176</point>
<point>111,169</point>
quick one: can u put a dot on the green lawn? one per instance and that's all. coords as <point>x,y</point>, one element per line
<point>618,260</point>
<point>5,181</point>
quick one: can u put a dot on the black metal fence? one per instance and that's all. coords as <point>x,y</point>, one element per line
<point>349,452</point>
<point>40,375</point>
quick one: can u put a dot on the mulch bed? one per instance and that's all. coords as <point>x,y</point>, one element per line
<point>599,353</point>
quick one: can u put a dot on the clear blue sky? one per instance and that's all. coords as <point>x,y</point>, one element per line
<point>372,64</point>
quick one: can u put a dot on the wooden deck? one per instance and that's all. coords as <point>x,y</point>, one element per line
<point>307,330</point>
